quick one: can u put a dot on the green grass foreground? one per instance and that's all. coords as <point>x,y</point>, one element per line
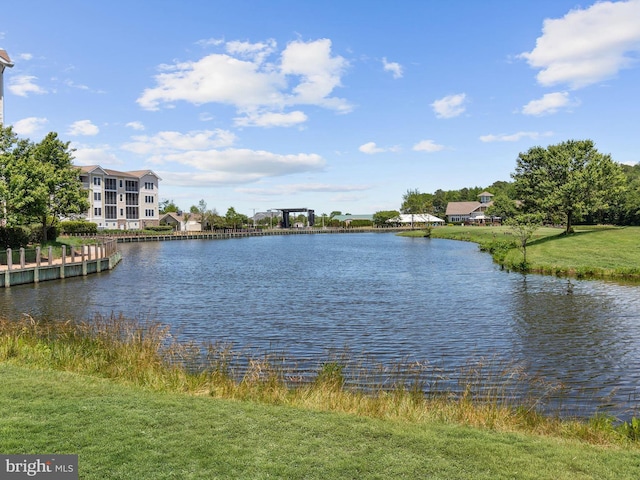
<point>114,391</point>
<point>124,432</point>
<point>590,252</point>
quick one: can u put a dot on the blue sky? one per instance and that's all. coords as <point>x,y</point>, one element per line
<point>331,105</point>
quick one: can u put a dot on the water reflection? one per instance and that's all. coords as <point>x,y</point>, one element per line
<point>386,298</point>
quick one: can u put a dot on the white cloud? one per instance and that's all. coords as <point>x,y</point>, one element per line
<point>169,142</point>
<point>370,148</point>
<point>100,155</point>
<point>29,125</point>
<point>319,73</point>
<point>83,127</point>
<point>211,162</point>
<point>393,67</point>
<point>303,188</point>
<point>587,46</point>
<point>271,119</point>
<point>135,125</point>
<point>256,52</point>
<point>236,166</point>
<point>23,85</point>
<point>209,42</point>
<point>25,56</point>
<point>549,103</point>
<point>449,106</point>
<point>427,146</point>
<point>514,137</point>
<point>307,74</point>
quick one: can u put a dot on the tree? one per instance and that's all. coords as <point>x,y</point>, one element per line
<point>567,180</point>
<point>235,219</point>
<point>42,183</point>
<point>168,206</point>
<point>382,217</point>
<point>502,207</point>
<point>524,226</point>
<point>416,203</point>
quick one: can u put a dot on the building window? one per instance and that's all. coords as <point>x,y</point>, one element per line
<point>132,213</point>
<point>148,199</point>
<point>121,212</point>
<point>110,198</point>
<point>96,181</point>
<point>120,183</point>
<point>148,185</point>
<point>130,186</point>
<point>110,184</point>
<point>97,196</point>
<point>97,212</point>
<point>131,199</point>
<point>149,213</point>
<point>110,212</point>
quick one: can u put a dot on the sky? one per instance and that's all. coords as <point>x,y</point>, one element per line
<point>327,105</point>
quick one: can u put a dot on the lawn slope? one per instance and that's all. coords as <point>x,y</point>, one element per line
<point>124,432</point>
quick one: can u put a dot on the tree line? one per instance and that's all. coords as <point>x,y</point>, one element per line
<point>566,183</point>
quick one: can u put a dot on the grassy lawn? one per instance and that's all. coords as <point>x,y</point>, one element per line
<point>123,432</point>
<point>590,252</point>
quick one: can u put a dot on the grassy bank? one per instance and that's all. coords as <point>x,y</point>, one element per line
<point>122,432</point>
<point>147,356</point>
<point>590,252</point>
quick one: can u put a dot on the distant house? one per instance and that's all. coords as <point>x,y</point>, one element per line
<point>470,212</point>
<point>182,223</point>
<point>416,219</point>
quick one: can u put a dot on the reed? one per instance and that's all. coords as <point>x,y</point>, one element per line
<point>484,394</point>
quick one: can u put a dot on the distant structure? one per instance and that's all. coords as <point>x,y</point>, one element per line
<point>5,62</point>
<point>121,200</point>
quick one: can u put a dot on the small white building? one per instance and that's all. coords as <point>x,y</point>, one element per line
<point>417,219</point>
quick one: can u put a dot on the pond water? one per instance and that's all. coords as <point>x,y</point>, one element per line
<point>390,299</point>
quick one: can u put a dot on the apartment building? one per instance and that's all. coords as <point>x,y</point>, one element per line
<point>121,200</point>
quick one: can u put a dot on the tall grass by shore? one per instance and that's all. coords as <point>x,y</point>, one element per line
<point>147,355</point>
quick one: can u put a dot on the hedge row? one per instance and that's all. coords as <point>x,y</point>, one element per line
<point>75,227</point>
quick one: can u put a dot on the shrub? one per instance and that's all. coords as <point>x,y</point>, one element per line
<point>14,237</point>
<point>160,228</point>
<point>75,227</point>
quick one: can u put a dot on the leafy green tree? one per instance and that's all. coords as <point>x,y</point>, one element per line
<point>234,219</point>
<point>502,207</point>
<point>168,206</point>
<point>567,180</point>
<point>523,227</point>
<point>416,203</point>
<point>42,183</point>
<point>383,216</point>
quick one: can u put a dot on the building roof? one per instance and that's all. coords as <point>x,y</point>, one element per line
<point>416,218</point>
<point>4,58</point>
<point>464,208</point>
<point>461,208</point>
<point>117,173</point>
<point>346,218</point>
<point>486,194</point>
